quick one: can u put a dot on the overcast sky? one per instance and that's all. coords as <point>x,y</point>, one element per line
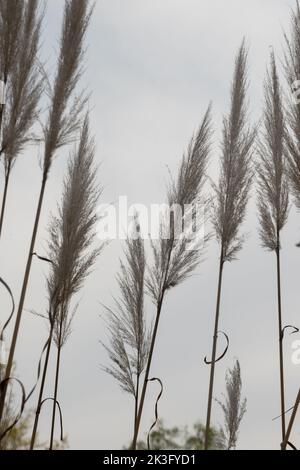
<point>152,67</point>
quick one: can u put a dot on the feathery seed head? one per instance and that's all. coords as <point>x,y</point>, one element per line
<point>128,331</point>
<point>292,71</point>
<point>64,120</point>
<point>24,87</point>
<point>174,260</point>
<point>273,192</point>
<point>72,232</point>
<point>232,191</point>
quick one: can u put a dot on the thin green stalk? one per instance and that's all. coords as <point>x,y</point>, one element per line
<point>213,356</point>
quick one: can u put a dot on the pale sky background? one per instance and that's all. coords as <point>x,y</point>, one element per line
<point>152,66</point>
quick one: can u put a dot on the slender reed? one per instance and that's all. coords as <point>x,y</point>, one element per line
<point>273,193</point>
<point>176,253</point>
<point>291,422</point>
<point>129,334</point>
<point>292,70</point>
<point>232,192</point>
<point>70,251</point>
<point>53,307</point>
<point>24,90</point>
<point>59,130</point>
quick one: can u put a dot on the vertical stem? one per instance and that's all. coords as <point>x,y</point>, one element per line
<point>1,117</point>
<point>4,198</point>
<point>136,400</point>
<point>22,297</point>
<point>213,356</point>
<point>291,422</point>
<point>153,339</point>
<point>137,388</point>
<point>1,113</point>
<point>281,359</point>
<point>2,105</point>
<point>59,345</point>
<point>40,398</point>
<point>145,383</point>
